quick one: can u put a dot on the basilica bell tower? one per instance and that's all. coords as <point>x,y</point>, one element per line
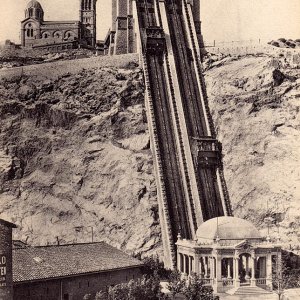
<point>87,17</point>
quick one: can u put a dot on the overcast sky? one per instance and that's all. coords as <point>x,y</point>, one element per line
<point>222,20</point>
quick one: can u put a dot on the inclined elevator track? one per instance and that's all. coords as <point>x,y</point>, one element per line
<point>176,199</point>
<point>205,151</point>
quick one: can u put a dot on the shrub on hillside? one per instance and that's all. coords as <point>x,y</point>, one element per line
<point>175,283</point>
<point>192,288</point>
<point>195,290</point>
<point>153,266</point>
<point>283,40</point>
<point>144,288</point>
<point>275,44</point>
<point>290,44</point>
<point>101,296</point>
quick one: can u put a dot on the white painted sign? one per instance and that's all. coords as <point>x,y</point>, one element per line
<point>2,270</point>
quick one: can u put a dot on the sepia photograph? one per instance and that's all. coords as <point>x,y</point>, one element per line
<point>149,150</point>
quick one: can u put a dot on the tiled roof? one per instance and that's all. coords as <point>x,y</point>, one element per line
<point>37,263</point>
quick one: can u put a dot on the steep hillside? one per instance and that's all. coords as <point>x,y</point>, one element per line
<point>255,103</point>
<point>75,153</point>
<point>74,148</point>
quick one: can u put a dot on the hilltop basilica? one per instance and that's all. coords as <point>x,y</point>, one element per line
<point>59,35</point>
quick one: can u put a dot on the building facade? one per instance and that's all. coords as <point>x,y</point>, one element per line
<point>124,33</point>
<point>6,273</point>
<point>229,253</point>
<point>69,272</point>
<point>59,35</point>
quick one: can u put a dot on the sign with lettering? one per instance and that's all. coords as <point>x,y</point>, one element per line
<point>2,271</point>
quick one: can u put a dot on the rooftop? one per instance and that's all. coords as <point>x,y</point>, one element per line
<point>227,228</point>
<point>8,224</point>
<point>38,263</point>
<point>34,4</point>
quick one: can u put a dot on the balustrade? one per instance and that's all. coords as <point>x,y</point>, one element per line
<point>261,281</point>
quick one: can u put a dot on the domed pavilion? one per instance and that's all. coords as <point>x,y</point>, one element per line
<point>227,253</point>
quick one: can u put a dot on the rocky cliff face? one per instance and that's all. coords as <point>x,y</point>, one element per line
<point>255,105</point>
<point>75,154</point>
<point>74,149</point>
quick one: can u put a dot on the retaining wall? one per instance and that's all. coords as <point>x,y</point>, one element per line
<point>291,55</point>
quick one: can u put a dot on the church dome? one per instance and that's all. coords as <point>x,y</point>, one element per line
<point>34,10</point>
<point>34,4</point>
<point>227,228</point>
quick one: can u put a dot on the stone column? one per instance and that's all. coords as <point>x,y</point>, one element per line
<point>228,269</point>
<point>253,281</point>
<point>219,282</point>
<point>236,263</point>
<point>205,267</point>
<point>247,277</point>
<point>278,261</point>
<point>130,28</point>
<point>121,38</point>
<point>184,263</point>
<point>200,267</point>
<point>196,264</point>
<point>234,268</point>
<point>269,271</point>
<point>212,269</point>
<point>178,260</point>
<point>191,264</point>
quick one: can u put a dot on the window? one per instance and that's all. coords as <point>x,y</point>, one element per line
<point>57,34</point>
<point>29,30</point>
<point>30,12</point>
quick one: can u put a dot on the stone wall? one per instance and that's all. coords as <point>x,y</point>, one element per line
<point>74,287</point>
<point>291,55</point>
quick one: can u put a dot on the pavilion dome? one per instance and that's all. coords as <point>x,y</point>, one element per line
<point>227,228</point>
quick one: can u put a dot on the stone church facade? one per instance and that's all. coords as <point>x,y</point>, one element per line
<point>59,35</point>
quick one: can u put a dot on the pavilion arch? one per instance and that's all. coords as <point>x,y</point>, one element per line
<point>229,253</point>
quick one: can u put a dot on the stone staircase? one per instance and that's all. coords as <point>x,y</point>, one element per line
<point>248,291</point>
